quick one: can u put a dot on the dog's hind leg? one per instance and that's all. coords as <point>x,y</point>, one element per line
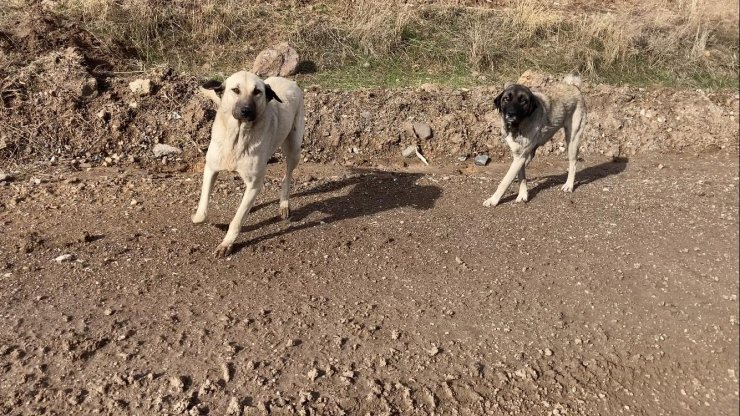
<point>514,169</point>
<point>573,129</point>
<point>291,148</point>
<point>522,176</point>
<point>209,178</point>
<point>254,184</point>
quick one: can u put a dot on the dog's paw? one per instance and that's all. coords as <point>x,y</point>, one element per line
<point>223,250</point>
<point>567,187</point>
<point>490,202</point>
<point>198,218</point>
<point>284,211</point>
<point>523,197</point>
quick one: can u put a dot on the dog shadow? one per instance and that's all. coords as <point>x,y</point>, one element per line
<point>583,177</point>
<point>371,193</point>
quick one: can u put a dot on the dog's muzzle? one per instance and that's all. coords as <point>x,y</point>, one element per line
<point>510,118</point>
<point>244,113</point>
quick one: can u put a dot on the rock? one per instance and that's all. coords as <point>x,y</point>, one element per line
<point>526,373</point>
<point>162,150</point>
<point>348,377</point>
<point>482,160</point>
<point>279,60</point>
<point>423,131</point>
<point>548,352</point>
<point>227,371</point>
<point>207,387</point>
<point>5,177</point>
<point>414,150</point>
<point>435,350</point>
<point>141,87</point>
<point>409,151</point>
<point>306,396</point>
<point>313,374</point>
<point>614,151</point>
<point>88,88</point>
<point>429,87</point>
<point>65,258</point>
<point>532,78</point>
<point>181,406</point>
<point>177,384</point>
<point>235,407</point>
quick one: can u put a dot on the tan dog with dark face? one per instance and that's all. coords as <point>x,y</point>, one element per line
<point>254,118</point>
<point>530,119</point>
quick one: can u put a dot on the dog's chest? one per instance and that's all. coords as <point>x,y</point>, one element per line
<point>235,152</point>
<point>524,140</point>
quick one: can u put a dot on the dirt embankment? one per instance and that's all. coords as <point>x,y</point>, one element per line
<point>62,99</point>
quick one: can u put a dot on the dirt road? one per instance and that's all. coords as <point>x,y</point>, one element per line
<point>389,292</point>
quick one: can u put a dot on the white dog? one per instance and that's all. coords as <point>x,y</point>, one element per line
<point>254,117</point>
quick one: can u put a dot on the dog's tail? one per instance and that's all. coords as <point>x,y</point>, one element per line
<point>211,94</point>
<point>572,79</point>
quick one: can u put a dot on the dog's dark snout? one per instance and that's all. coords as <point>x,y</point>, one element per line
<point>247,112</point>
<point>510,117</point>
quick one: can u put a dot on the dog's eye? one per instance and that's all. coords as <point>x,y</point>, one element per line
<point>236,90</point>
<point>257,91</point>
<point>505,99</point>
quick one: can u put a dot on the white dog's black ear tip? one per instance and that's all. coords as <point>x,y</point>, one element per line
<point>213,84</point>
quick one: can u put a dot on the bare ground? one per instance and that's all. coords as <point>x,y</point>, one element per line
<point>390,291</point>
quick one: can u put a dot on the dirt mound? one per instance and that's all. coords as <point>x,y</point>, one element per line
<point>622,121</point>
<point>37,31</point>
<point>99,117</point>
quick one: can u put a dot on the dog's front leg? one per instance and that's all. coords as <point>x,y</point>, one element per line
<point>516,165</point>
<point>209,178</point>
<point>254,184</point>
<point>523,193</point>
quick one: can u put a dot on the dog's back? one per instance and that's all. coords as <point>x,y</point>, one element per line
<point>562,99</point>
<point>290,94</point>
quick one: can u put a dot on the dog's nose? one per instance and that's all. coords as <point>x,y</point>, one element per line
<point>247,112</point>
<point>509,117</point>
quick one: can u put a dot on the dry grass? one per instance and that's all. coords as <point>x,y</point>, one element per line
<point>674,41</point>
<point>377,28</point>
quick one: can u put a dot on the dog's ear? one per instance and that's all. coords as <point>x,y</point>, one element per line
<point>270,94</point>
<point>212,90</point>
<point>533,103</point>
<point>497,101</point>
<point>214,85</point>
